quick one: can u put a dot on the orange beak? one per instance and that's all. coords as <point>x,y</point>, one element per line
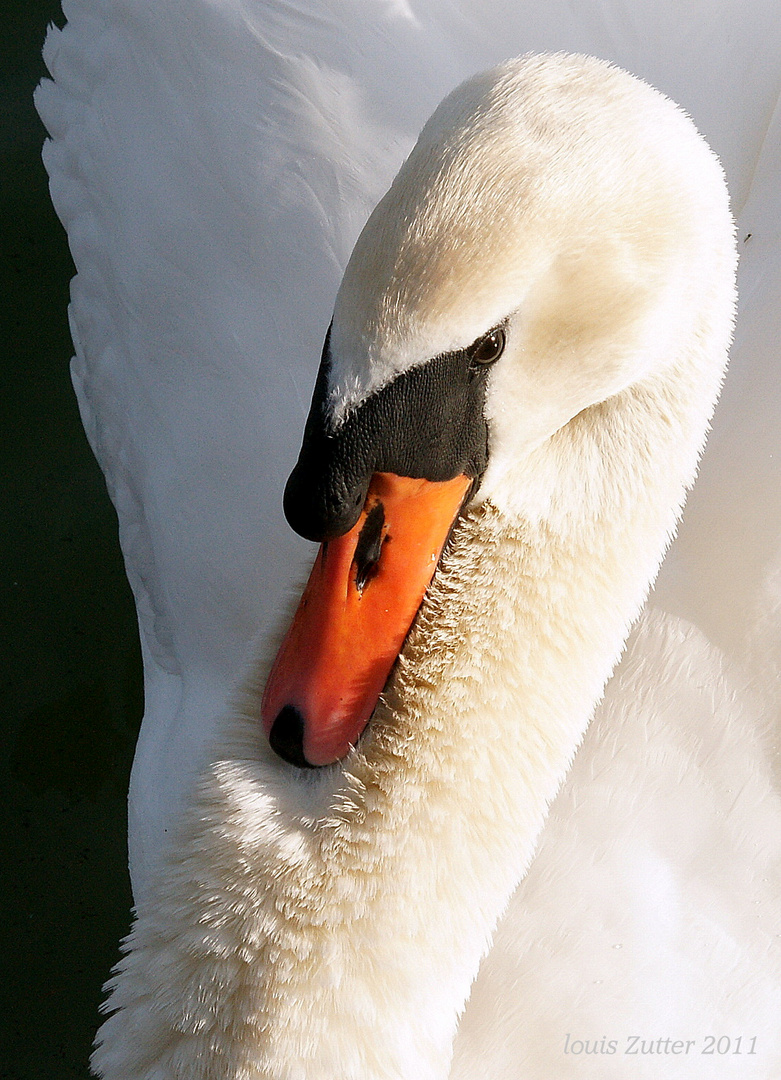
<point>362,596</point>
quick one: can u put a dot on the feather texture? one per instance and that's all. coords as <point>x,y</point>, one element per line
<point>213,164</point>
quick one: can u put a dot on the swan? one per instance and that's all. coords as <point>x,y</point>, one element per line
<point>332,923</point>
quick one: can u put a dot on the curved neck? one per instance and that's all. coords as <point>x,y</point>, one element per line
<point>339,941</point>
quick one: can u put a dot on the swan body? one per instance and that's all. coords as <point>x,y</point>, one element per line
<point>332,925</point>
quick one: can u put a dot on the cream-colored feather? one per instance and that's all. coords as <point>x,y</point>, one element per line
<point>331,927</point>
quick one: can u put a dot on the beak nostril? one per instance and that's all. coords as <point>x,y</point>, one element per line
<point>361,598</point>
<point>369,546</point>
<point>287,737</point>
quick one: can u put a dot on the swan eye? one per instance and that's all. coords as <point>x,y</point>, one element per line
<point>487,349</point>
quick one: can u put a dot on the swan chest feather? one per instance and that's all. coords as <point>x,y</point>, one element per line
<point>338,935</point>
<point>328,925</point>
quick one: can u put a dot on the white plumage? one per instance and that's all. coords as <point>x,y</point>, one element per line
<point>213,164</point>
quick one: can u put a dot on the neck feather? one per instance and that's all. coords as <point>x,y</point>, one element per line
<point>330,927</point>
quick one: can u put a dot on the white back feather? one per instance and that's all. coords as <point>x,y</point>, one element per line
<point>213,182</point>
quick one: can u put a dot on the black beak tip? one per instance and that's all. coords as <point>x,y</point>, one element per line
<point>287,737</point>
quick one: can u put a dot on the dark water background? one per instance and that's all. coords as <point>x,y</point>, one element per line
<point>71,671</point>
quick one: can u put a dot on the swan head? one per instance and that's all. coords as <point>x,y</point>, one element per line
<point>549,243</point>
